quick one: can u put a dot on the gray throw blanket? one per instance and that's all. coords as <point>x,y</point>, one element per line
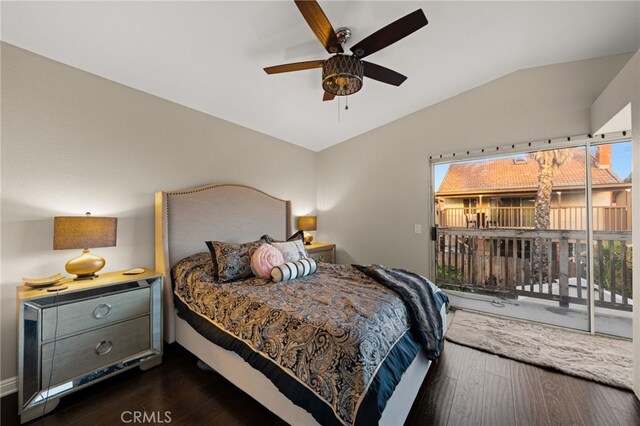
<point>423,303</point>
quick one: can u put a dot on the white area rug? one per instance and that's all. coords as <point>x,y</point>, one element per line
<point>602,359</point>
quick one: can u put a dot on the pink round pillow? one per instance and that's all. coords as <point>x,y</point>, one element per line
<point>264,259</point>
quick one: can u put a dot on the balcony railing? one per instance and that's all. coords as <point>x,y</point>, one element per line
<point>566,218</point>
<point>501,260</point>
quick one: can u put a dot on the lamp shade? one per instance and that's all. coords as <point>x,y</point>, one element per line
<point>84,232</point>
<point>307,223</point>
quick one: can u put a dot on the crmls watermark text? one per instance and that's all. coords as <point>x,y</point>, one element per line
<point>154,417</point>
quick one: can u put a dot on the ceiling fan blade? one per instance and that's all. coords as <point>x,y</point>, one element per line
<point>328,96</point>
<point>320,25</point>
<point>385,75</point>
<point>390,34</point>
<point>295,66</point>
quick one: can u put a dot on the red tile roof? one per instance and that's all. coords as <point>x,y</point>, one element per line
<point>520,174</point>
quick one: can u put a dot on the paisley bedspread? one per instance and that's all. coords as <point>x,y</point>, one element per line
<point>324,336</point>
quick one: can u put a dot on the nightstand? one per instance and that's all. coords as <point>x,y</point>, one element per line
<point>322,252</point>
<point>94,329</point>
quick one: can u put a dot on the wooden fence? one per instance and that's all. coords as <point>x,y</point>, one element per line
<point>501,260</point>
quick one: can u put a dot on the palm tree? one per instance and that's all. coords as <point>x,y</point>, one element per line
<point>547,161</point>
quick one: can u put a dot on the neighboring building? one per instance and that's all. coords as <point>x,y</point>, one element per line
<point>502,192</point>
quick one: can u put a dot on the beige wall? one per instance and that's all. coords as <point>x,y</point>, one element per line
<point>624,89</point>
<point>374,187</point>
<point>74,142</point>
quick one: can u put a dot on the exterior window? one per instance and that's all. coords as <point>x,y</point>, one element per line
<point>470,205</point>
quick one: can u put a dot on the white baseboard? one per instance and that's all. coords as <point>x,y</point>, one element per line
<point>8,386</point>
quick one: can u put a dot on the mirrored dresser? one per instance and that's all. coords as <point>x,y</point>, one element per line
<point>94,329</point>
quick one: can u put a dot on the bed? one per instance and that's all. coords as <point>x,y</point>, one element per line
<point>235,213</point>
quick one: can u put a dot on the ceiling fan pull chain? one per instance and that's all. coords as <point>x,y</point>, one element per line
<point>338,108</point>
<point>346,100</point>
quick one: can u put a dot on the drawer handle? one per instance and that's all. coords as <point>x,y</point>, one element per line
<point>99,313</point>
<point>104,347</point>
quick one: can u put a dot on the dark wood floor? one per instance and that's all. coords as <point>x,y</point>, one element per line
<point>464,387</point>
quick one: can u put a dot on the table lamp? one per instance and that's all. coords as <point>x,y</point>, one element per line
<point>307,223</point>
<point>84,232</point>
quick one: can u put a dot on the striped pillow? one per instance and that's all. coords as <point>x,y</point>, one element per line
<point>298,269</point>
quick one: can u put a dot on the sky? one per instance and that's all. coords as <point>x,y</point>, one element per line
<point>620,162</point>
<point>621,159</point>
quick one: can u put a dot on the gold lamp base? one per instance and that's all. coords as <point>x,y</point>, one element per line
<point>85,266</point>
<point>308,238</point>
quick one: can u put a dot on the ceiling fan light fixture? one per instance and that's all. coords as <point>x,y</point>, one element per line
<point>342,75</point>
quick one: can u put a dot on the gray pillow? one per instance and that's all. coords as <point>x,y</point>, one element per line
<point>292,250</point>
<point>269,239</point>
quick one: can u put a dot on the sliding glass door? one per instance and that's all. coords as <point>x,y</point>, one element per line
<point>612,247</point>
<point>515,236</point>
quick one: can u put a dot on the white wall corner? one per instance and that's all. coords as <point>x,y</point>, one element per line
<point>8,386</point>
<point>625,89</point>
<point>620,92</point>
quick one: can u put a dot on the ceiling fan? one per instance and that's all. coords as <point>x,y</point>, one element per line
<point>342,74</point>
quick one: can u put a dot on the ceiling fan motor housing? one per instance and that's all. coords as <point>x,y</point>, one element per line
<point>342,75</point>
<point>343,34</point>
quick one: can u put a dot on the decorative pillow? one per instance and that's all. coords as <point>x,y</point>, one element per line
<point>264,259</point>
<point>298,269</point>
<point>232,260</point>
<point>292,250</point>
<point>270,240</point>
<point>214,269</point>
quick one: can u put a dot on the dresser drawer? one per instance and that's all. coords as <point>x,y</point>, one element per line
<point>323,255</point>
<point>89,351</point>
<point>87,314</point>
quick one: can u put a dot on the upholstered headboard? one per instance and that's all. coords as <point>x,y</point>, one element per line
<point>186,219</point>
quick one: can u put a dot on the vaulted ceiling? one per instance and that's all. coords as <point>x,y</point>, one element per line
<point>209,55</point>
